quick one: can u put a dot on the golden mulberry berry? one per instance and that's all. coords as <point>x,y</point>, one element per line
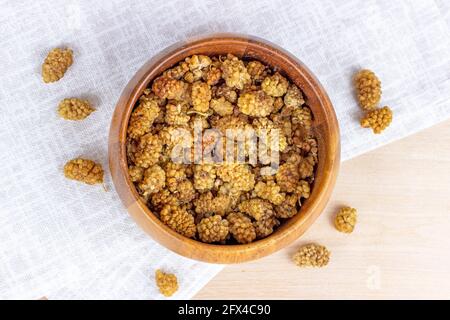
<point>201,95</point>
<point>153,181</point>
<point>255,103</point>
<point>142,118</point>
<point>176,114</point>
<point>234,72</point>
<point>175,173</point>
<point>136,173</point>
<point>288,177</point>
<point>256,70</point>
<point>221,106</point>
<point>212,75</point>
<point>378,119</point>
<point>198,62</point>
<point>233,194</point>
<point>177,72</point>
<point>178,219</point>
<point>306,167</point>
<point>74,109</point>
<point>207,203</point>
<point>256,208</point>
<point>238,175</point>
<point>275,85</point>
<point>345,220</point>
<point>161,198</point>
<point>270,191</point>
<point>192,76</point>
<point>302,116</point>
<point>225,91</point>
<point>312,255</point>
<point>310,147</point>
<point>288,208</point>
<point>264,226</point>
<point>303,189</point>
<point>241,227</point>
<point>185,191</point>
<point>167,283</point>
<point>204,177</point>
<point>84,170</point>
<point>148,151</point>
<point>368,89</point>
<point>56,64</point>
<point>165,87</point>
<point>213,229</point>
<point>294,97</point>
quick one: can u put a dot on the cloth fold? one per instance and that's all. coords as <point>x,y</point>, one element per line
<point>65,240</point>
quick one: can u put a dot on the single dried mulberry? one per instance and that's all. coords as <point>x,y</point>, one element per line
<point>136,173</point>
<point>234,72</point>
<point>270,191</point>
<point>302,116</point>
<point>288,208</point>
<point>256,208</point>
<point>56,64</point>
<point>226,92</point>
<point>294,97</point>
<point>167,283</point>
<point>207,203</point>
<point>264,226</point>
<point>178,219</point>
<point>84,170</point>
<point>255,103</point>
<point>212,75</point>
<point>378,119</point>
<point>201,95</point>
<point>288,177</point>
<point>176,114</point>
<point>204,177</point>
<point>175,173</point>
<point>303,189</point>
<point>345,220</point>
<point>312,255</point>
<point>238,175</point>
<point>148,151</point>
<point>162,198</point>
<point>177,72</point>
<point>165,87</point>
<point>241,227</point>
<point>192,76</point>
<point>153,181</point>
<point>142,117</point>
<point>74,109</point>
<point>198,62</point>
<point>275,85</point>
<point>368,89</point>
<point>221,106</point>
<point>185,191</point>
<point>306,167</point>
<point>213,229</point>
<point>256,70</point>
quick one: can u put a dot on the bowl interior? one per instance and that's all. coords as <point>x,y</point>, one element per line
<point>324,127</point>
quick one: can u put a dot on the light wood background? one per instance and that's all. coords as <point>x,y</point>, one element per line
<point>399,249</point>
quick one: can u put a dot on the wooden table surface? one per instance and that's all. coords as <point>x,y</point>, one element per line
<point>399,249</point>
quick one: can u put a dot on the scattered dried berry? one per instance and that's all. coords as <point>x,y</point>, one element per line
<point>74,109</point>
<point>368,89</point>
<point>312,255</point>
<point>84,170</point>
<point>345,220</point>
<point>166,282</point>
<point>378,119</point>
<point>234,72</point>
<point>255,104</point>
<point>56,64</point>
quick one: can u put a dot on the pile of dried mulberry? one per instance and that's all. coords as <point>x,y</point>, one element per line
<point>220,202</point>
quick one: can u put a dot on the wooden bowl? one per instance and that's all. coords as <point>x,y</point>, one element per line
<point>325,127</point>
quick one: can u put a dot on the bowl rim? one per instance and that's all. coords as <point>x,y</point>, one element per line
<point>216,253</point>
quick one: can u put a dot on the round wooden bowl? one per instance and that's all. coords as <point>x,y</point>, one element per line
<point>325,127</point>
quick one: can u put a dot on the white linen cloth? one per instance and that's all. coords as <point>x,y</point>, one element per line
<point>63,239</point>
